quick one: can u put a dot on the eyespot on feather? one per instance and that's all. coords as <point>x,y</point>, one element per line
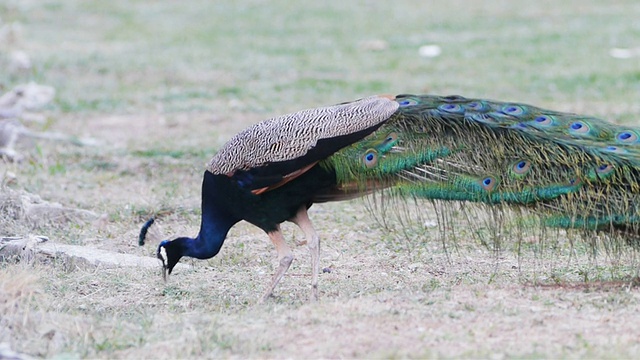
<point>600,172</point>
<point>385,145</point>
<point>579,128</point>
<point>489,183</point>
<point>627,137</point>
<point>477,106</point>
<point>575,182</point>
<point>370,158</point>
<point>521,167</point>
<point>391,137</point>
<point>604,169</point>
<point>544,120</point>
<point>513,110</point>
<point>451,108</point>
<point>407,102</point>
<point>614,149</point>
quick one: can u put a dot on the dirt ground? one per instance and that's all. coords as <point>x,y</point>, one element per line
<point>159,86</point>
<point>388,292</point>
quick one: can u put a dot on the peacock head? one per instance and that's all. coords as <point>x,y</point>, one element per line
<point>169,252</point>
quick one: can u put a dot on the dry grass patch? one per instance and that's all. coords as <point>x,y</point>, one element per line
<point>162,85</point>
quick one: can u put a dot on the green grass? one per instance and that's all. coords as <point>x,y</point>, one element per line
<point>163,84</point>
<point>134,55</point>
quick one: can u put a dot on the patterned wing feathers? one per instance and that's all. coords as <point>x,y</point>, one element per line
<point>290,137</point>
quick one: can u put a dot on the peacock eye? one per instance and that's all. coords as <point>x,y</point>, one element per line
<point>489,183</point>
<point>513,110</point>
<point>627,137</point>
<point>370,158</point>
<point>543,120</point>
<point>624,136</point>
<point>579,127</point>
<point>452,108</point>
<point>604,169</point>
<point>391,137</point>
<point>407,102</point>
<point>522,167</point>
<point>614,149</point>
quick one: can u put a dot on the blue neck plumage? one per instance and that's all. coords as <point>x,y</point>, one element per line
<point>216,223</point>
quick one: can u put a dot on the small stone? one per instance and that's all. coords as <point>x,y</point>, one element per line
<point>430,51</point>
<point>624,53</point>
<point>430,224</point>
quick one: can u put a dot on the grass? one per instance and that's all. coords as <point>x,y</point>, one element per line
<point>163,84</point>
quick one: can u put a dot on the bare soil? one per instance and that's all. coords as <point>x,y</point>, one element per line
<point>412,288</point>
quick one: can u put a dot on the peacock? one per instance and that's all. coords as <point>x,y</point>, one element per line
<point>573,171</point>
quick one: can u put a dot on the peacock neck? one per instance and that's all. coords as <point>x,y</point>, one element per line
<point>215,224</point>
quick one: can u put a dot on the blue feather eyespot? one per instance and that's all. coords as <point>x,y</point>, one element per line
<point>474,105</point>
<point>382,147</point>
<point>600,172</point>
<point>391,137</point>
<point>627,137</point>
<point>579,128</point>
<point>604,169</point>
<point>513,110</point>
<point>451,108</point>
<point>407,102</point>
<point>614,149</point>
<point>489,183</point>
<point>543,120</point>
<point>370,158</point>
<point>521,167</point>
<point>477,106</point>
<point>519,126</point>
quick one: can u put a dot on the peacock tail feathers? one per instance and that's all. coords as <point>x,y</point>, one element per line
<point>572,170</point>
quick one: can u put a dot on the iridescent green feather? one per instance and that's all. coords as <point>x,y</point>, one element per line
<point>574,171</point>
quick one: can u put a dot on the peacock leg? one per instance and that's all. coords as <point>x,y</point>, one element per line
<point>285,257</point>
<point>313,242</point>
